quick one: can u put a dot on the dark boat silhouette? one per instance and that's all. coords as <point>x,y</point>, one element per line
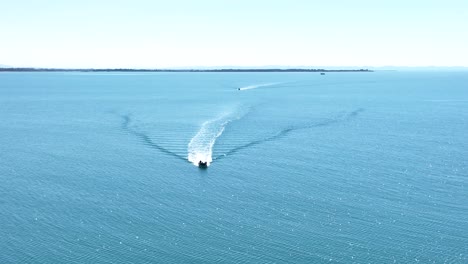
<point>322,73</point>
<point>202,165</point>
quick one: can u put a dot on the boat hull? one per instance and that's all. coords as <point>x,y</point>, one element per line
<point>202,165</point>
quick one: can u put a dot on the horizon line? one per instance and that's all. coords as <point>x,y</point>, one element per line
<point>3,66</point>
<point>227,69</point>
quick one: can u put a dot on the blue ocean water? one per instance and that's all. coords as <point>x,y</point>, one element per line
<point>304,168</point>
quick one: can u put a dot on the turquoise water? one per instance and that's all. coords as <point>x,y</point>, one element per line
<point>304,168</point>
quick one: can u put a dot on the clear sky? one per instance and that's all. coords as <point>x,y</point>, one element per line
<point>178,33</point>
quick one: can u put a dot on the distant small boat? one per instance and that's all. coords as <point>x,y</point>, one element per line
<point>322,73</point>
<point>202,165</point>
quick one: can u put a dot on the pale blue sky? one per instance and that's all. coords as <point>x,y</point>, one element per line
<point>177,33</point>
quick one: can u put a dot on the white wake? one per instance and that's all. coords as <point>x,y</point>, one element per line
<point>200,147</point>
<point>257,86</point>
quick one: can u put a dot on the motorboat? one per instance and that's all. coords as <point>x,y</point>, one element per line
<point>202,165</point>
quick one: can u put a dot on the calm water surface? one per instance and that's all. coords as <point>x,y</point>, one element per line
<point>304,168</point>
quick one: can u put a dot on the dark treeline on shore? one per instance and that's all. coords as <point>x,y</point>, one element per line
<point>174,70</point>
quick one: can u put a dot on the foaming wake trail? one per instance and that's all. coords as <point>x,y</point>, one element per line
<point>256,86</point>
<point>200,147</point>
<point>145,138</point>
<point>286,131</point>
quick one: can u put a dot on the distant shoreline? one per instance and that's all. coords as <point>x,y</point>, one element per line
<point>174,70</point>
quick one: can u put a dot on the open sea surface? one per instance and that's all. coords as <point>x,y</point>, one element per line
<point>303,168</point>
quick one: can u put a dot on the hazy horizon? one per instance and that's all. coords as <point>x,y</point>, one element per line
<point>390,67</point>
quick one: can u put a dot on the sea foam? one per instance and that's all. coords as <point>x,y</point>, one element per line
<point>200,147</point>
<point>257,86</point>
